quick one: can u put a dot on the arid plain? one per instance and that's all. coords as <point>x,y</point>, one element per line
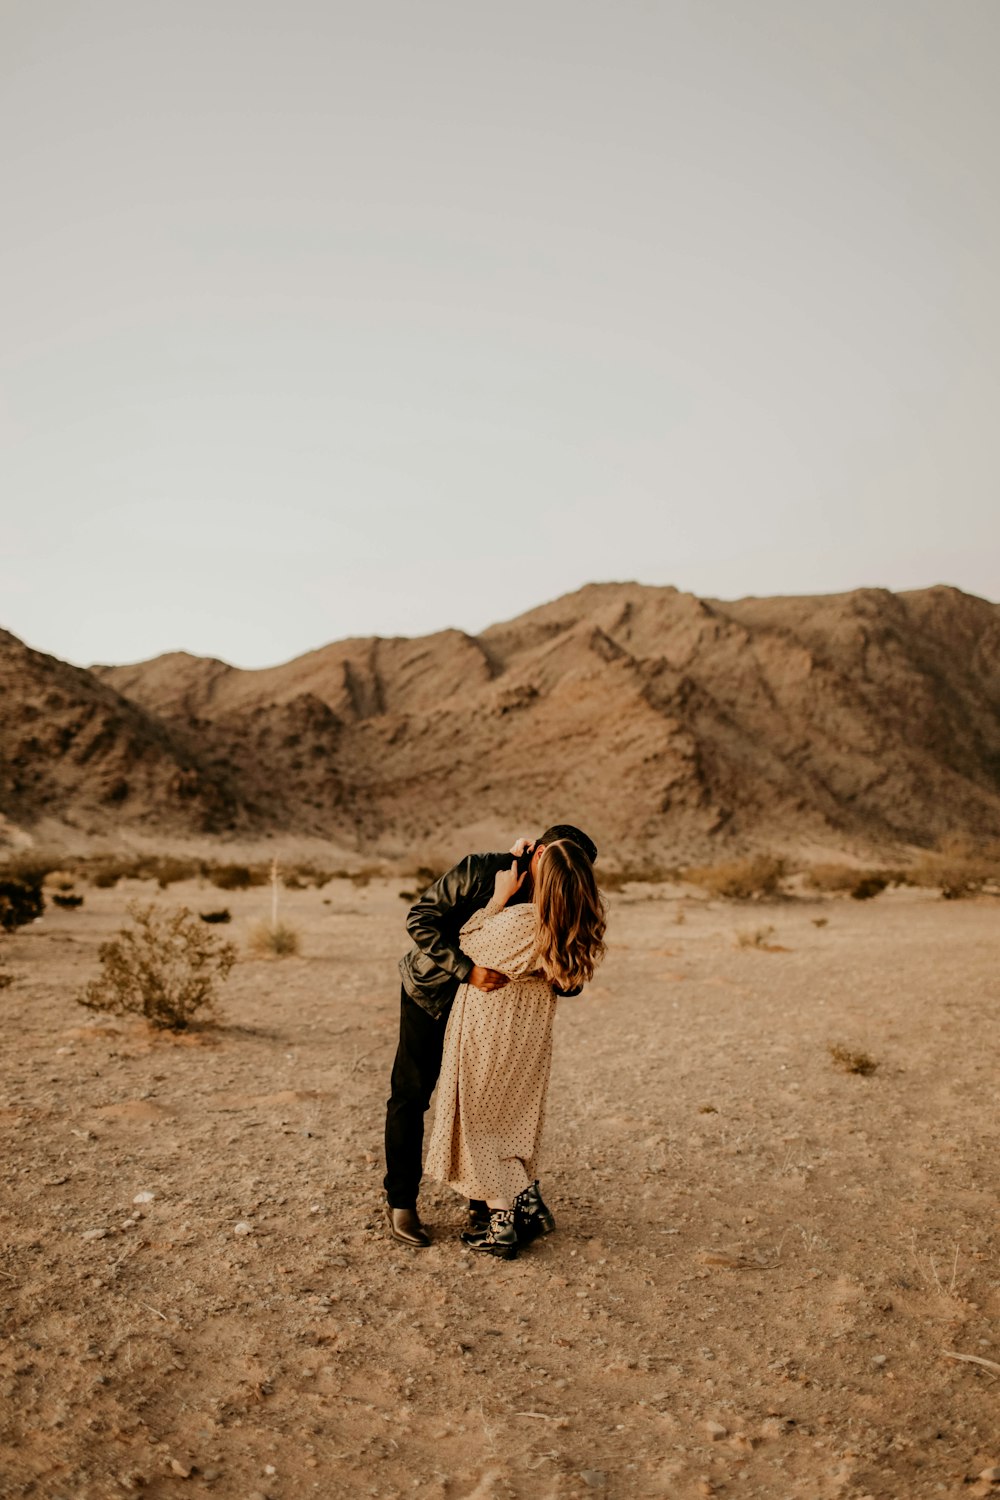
<point>764,1269</point>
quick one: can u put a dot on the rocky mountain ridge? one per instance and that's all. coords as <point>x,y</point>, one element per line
<point>674,727</point>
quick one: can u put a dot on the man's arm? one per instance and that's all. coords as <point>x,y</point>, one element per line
<point>434,920</point>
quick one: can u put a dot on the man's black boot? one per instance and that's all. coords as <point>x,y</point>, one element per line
<point>405,1226</point>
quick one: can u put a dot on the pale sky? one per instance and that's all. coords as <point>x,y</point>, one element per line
<point>325,319</point>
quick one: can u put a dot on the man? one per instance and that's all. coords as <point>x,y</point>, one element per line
<point>431,973</point>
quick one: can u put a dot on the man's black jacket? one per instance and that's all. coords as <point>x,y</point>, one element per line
<point>435,966</point>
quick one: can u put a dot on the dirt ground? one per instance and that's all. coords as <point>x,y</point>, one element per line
<point>761,1259</point>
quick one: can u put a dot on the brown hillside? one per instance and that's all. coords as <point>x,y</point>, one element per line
<point>674,727</point>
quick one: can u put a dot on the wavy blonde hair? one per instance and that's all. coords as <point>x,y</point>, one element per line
<point>571,915</point>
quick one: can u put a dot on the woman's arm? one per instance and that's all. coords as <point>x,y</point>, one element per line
<point>502,938</point>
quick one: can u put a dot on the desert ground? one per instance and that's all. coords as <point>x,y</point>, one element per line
<point>764,1269</point>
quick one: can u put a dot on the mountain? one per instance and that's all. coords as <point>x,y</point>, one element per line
<point>670,726</point>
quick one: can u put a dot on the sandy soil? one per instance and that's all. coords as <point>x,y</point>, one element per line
<point>760,1259</point>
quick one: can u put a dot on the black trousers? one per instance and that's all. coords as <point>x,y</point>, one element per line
<point>414,1075</point>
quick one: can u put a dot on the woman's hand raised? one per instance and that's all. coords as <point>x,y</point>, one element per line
<point>506,883</point>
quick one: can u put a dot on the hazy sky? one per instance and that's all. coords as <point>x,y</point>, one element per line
<point>325,319</point>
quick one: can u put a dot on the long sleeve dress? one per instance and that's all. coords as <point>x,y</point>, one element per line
<point>495,1067</point>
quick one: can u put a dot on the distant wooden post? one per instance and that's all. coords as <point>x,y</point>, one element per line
<point>274,894</point>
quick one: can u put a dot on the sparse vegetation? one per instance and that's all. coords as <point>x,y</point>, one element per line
<point>851,1060</point>
<point>165,967</point>
<point>234,877</point>
<point>753,937</point>
<point>67,902</point>
<point>216,916</point>
<point>274,939</point>
<point>648,874</point>
<point>740,879</point>
<point>959,867</point>
<point>278,941</point>
<point>21,901</point>
<point>861,884</point>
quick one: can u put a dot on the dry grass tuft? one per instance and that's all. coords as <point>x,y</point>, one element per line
<point>852,1061</point>
<point>753,937</point>
<point>278,941</point>
<point>740,879</point>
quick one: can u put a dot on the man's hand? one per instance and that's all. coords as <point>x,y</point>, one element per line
<point>522,846</point>
<point>487,979</point>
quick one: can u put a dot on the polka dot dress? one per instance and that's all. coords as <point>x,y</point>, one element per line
<point>495,1069</point>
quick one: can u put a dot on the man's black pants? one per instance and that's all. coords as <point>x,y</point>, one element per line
<point>414,1075</point>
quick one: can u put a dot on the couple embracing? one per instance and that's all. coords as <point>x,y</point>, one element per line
<point>496,941</point>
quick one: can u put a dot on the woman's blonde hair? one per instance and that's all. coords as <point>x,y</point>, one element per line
<point>571,915</point>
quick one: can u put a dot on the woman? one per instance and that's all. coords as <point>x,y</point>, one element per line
<point>498,1044</point>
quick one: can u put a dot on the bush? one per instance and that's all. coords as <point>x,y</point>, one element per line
<point>237,877</point>
<point>280,941</point>
<point>649,874</point>
<point>231,877</point>
<point>31,866</point>
<point>740,879</point>
<point>68,903</point>
<point>165,967</point>
<point>868,886</point>
<point>21,901</point>
<point>852,1060</point>
<point>216,916</point>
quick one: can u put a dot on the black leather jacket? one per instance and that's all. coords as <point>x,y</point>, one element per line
<point>435,966</point>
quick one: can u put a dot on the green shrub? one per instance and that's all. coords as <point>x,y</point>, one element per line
<point>165,967</point>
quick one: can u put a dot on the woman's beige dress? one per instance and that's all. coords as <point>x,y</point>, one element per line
<point>495,1067</point>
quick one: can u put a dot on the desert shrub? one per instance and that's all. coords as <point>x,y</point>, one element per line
<point>740,879</point>
<point>21,901</point>
<point>851,1060</point>
<point>868,886</point>
<point>171,868</point>
<point>274,941</point>
<point>233,876</point>
<point>647,874</point>
<point>831,877</point>
<point>216,916</point>
<point>300,876</point>
<point>105,879</point>
<point>31,866</point>
<point>165,967</point>
<point>67,902</point>
<point>753,937</point>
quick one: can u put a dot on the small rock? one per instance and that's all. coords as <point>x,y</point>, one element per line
<point>182,1469</point>
<point>210,1474</point>
<point>716,1431</point>
<point>594,1479</point>
<point>879,1360</point>
<point>95,1234</point>
<point>243,1227</point>
<point>269,1469</point>
<point>144,1197</point>
<point>991,1475</point>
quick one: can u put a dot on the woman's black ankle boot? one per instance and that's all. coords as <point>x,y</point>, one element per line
<point>498,1237</point>
<point>531,1217</point>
